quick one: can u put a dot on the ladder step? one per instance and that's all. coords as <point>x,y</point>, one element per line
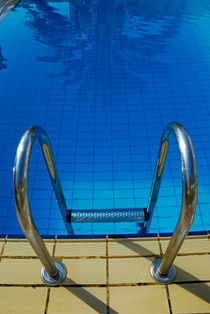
<point>106,215</point>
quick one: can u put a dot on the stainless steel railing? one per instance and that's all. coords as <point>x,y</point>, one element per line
<point>162,270</point>
<point>53,272</point>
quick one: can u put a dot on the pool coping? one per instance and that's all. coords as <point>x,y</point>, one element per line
<point>103,236</point>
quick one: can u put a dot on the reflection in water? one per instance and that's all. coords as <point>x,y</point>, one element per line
<point>2,60</point>
<point>112,30</point>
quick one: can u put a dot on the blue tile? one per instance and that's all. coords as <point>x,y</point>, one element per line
<point>104,92</point>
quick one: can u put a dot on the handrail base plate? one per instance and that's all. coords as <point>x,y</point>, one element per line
<point>51,281</point>
<point>163,280</point>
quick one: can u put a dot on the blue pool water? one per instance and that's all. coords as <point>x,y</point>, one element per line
<point>103,78</point>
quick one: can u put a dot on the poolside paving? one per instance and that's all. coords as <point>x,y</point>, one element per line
<point>105,276</point>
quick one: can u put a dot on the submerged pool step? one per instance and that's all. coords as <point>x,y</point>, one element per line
<point>107,215</point>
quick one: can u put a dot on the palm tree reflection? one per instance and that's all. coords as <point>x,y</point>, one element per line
<point>2,60</point>
<point>94,32</point>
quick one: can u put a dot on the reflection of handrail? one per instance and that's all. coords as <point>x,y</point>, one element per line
<point>162,270</point>
<point>53,272</point>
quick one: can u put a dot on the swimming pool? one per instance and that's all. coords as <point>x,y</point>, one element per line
<point>103,79</point>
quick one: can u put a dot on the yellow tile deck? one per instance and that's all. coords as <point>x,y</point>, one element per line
<point>23,248</point>
<point>105,276</point>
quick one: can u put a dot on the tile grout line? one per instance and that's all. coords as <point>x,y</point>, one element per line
<point>107,274</point>
<point>47,300</point>
<point>54,247</point>
<point>84,240</point>
<point>103,257</point>
<point>160,246</point>
<point>124,284</point>
<point>169,300</point>
<point>49,288</point>
<point>167,290</point>
<point>3,247</point>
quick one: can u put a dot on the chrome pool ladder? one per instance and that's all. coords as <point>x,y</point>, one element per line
<point>162,270</point>
<point>54,272</point>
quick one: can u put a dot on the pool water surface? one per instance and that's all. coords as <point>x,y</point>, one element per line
<point>103,78</point>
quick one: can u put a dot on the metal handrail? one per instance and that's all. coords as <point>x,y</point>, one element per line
<point>162,270</point>
<point>53,272</point>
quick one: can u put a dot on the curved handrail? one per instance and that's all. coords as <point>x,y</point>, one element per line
<point>161,270</point>
<point>20,178</point>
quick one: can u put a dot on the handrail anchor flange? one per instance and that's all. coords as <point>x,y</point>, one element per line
<point>163,280</point>
<point>59,278</point>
